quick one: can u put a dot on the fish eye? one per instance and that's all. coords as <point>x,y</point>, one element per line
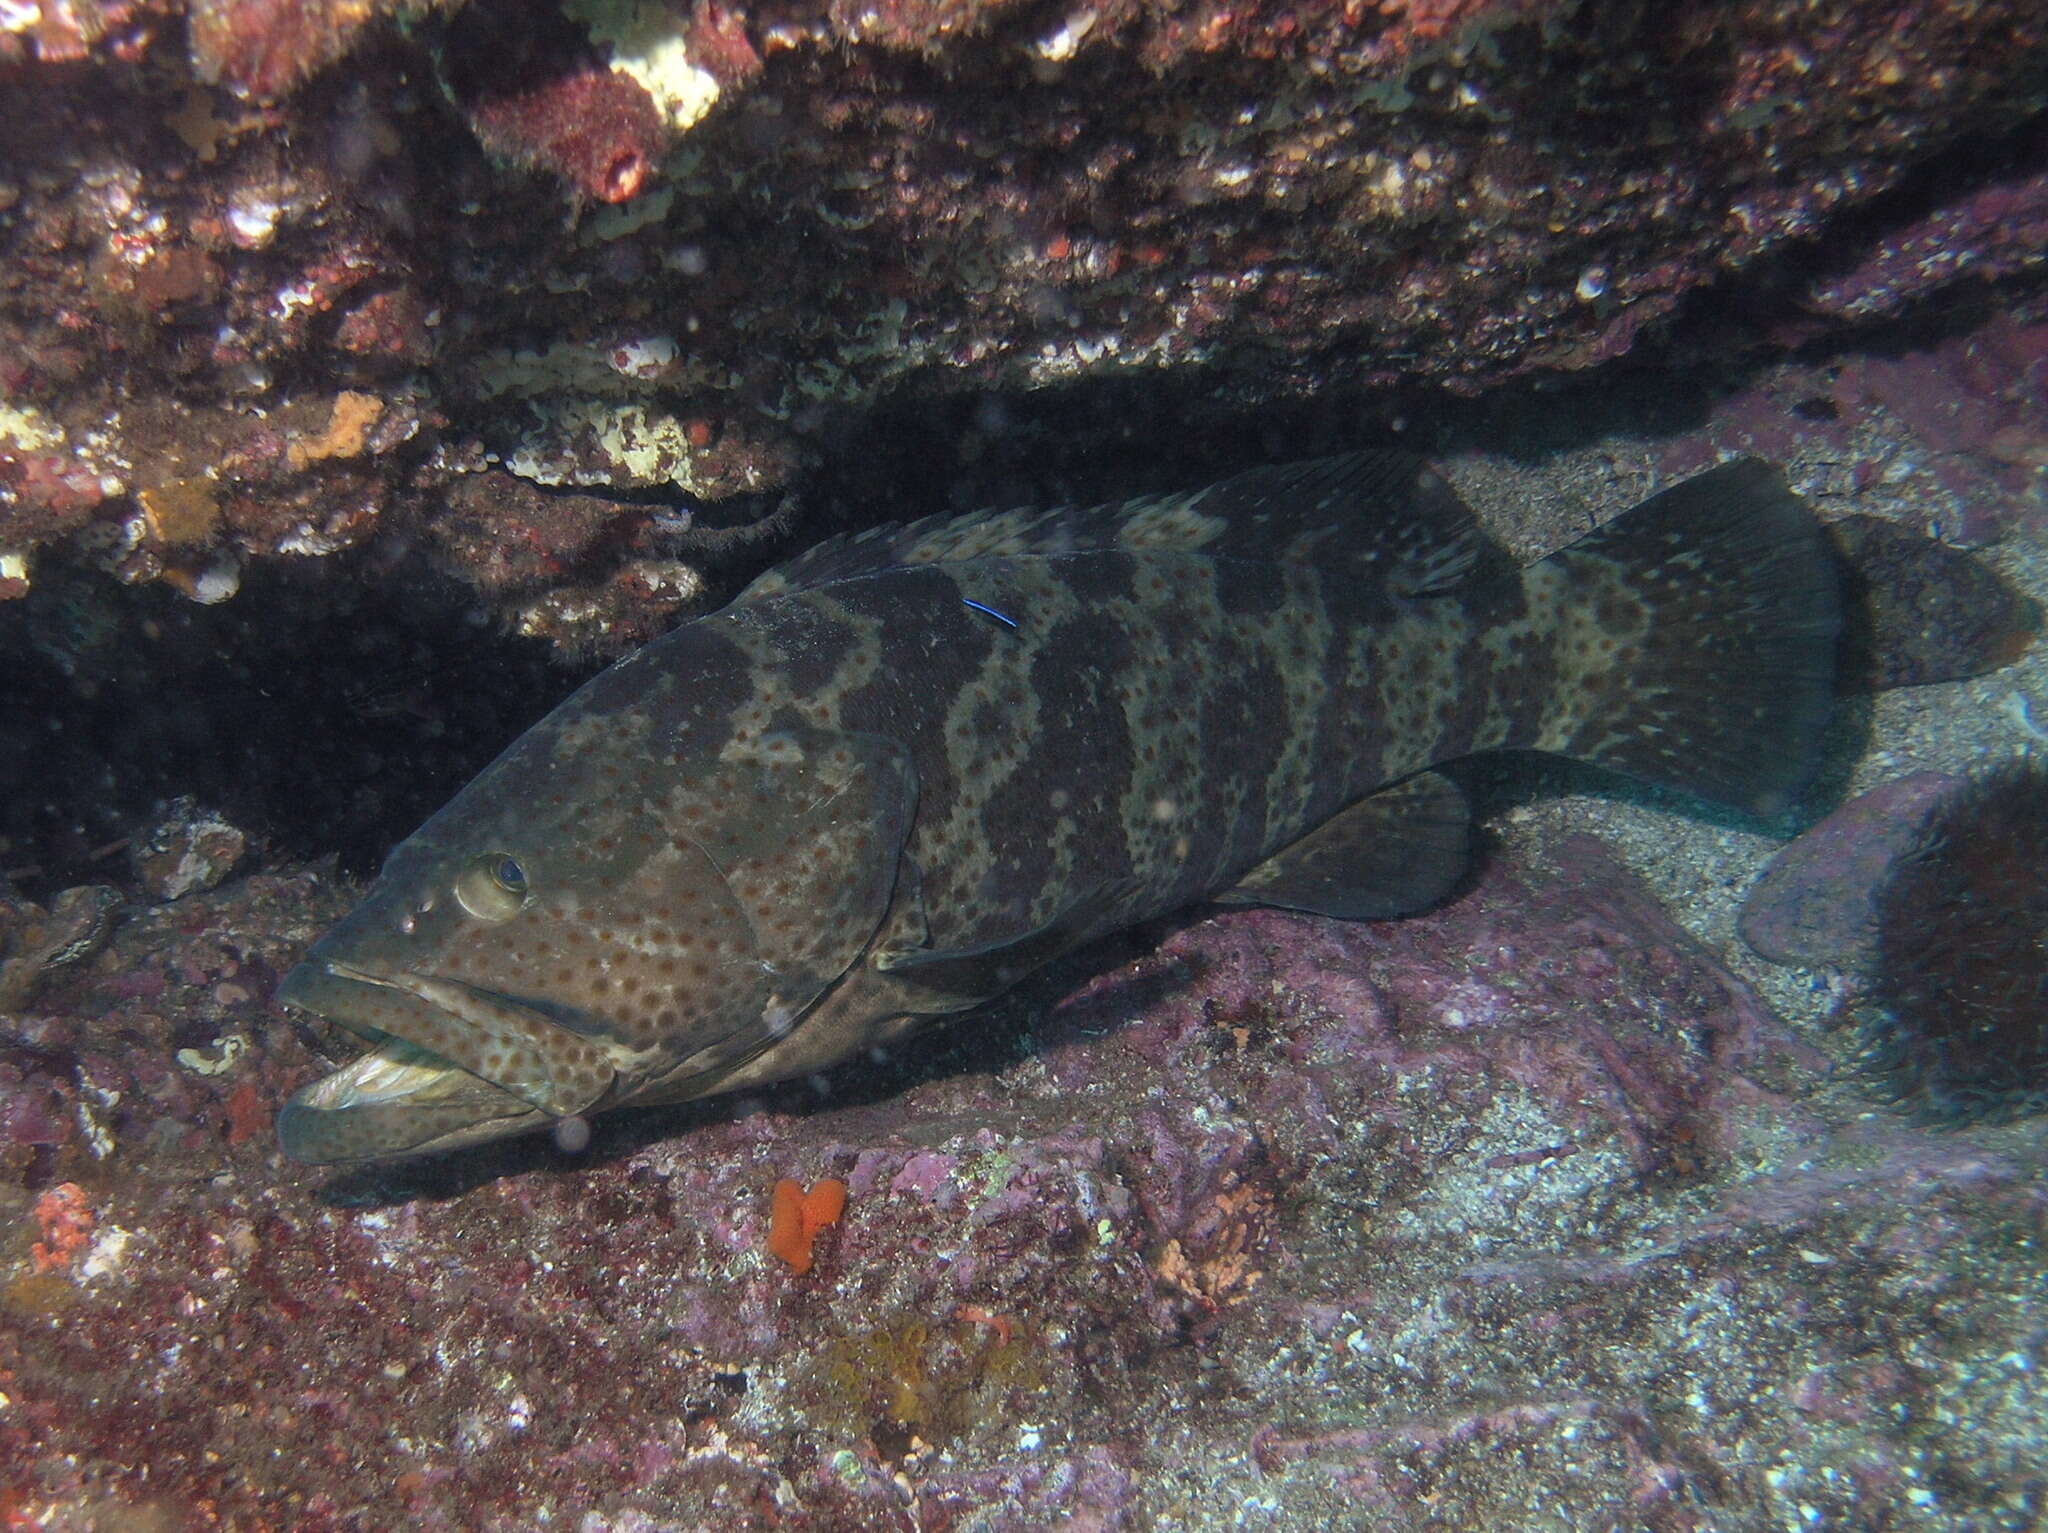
<point>492,887</point>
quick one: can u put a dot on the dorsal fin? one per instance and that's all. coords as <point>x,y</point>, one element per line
<point>1387,512</point>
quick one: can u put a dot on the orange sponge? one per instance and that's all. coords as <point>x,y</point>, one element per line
<point>797,1216</point>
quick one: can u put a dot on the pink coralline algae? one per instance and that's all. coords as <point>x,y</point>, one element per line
<point>825,208</point>
<point>1984,393</point>
<point>1947,433</point>
<point>1523,1202</point>
<point>594,127</point>
<point>265,47</point>
<point>1998,231</point>
<point>388,330</point>
<point>717,37</point>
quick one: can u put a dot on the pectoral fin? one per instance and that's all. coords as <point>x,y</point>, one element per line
<point>963,976</point>
<point>1391,854</point>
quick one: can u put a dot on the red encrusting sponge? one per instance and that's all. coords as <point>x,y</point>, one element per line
<point>798,1216</point>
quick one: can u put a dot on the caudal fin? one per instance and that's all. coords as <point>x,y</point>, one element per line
<point>1696,639</point>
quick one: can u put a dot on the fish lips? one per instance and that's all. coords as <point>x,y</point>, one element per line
<point>451,1065</point>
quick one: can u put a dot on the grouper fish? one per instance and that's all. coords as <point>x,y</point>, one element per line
<point>905,769</point>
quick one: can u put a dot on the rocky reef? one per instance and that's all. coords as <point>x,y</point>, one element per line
<point>1267,1219</point>
<point>285,278</point>
<point>369,371</point>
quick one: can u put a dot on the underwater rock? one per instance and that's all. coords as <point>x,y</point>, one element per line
<point>34,941</point>
<point>1953,1019</point>
<point>1997,230</point>
<point>1814,904</point>
<point>1344,1211</point>
<point>1938,432</point>
<point>186,849</point>
<point>597,130</point>
<point>473,215</point>
<point>264,48</point>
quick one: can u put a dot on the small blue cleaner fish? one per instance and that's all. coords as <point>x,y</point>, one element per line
<point>906,769</point>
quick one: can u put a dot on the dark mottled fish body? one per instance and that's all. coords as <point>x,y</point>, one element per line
<point>907,768</point>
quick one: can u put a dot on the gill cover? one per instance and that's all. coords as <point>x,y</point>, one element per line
<point>804,829</point>
<point>755,879</point>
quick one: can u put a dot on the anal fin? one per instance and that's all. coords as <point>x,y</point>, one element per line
<point>1391,854</point>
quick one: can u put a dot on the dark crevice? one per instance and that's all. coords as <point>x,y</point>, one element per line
<point>324,713</point>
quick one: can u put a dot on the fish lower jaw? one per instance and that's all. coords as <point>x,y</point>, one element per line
<point>546,1056</point>
<point>394,1071</point>
<point>388,1073</point>
<point>339,970</point>
<point>396,1100</point>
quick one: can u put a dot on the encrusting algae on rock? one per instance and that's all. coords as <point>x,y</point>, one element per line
<point>64,1221</point>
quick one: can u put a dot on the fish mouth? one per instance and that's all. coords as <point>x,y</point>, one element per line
<point>451,1065</point>
<point>398,1100</point>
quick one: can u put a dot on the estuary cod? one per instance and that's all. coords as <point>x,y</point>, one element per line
<point>905,769</point>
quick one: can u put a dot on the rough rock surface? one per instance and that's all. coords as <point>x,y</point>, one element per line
<point>1519,1214</point>
<point>1947,432</point>
<point>348,335</point>
<point>278,277</point>
<point>1816,900</point>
